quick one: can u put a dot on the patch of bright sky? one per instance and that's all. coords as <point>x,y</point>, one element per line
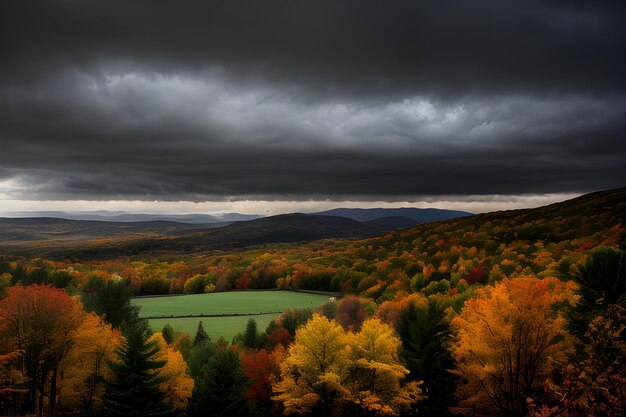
<point>474,204</point>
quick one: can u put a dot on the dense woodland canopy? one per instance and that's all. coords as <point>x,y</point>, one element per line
<point>509,313</point>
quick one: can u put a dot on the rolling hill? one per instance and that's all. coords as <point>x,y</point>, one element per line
<point>87,238</point>
<point>57,238</point>
<point>416,215</point>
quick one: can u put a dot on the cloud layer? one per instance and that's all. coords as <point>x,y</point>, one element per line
<point>298,100</point>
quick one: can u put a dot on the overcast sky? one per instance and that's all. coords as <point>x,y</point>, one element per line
<point>273,106</point>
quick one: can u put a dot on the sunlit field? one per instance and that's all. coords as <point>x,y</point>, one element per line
<point>246,304</point>
<point>226,327</point>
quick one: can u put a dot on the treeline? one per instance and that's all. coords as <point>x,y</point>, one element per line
<point>529,345</point>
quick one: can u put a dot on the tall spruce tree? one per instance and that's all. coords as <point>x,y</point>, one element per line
<point>424,331</point>
<point>220,384</point>
<point>134,388</point>
<point>168,334</point>
<point>251,336</point>
<point>602,281</point>
<point>201,335</point>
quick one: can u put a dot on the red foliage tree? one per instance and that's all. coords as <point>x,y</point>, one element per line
<point>40,321</point>
<point>243,282</point>
<point>259,367</point>
<point>474,275</point>
<point>279,336</point>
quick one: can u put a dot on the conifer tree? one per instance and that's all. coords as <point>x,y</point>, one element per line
<point>201,335</point>
<point>602,281</point>
<point>111,299</point>
<point>134,388</point>
<point>424,330</point>
<point>250,336</point>
<point>168,334</point>
<point>220,384</point>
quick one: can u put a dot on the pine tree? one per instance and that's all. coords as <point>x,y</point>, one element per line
<point>250,336</point>
<point>134,388</point>
<point>168,334</point>
<point>602,281</point>
<point>220,384</point>
<point>201,335</point>
<point>424,331</point>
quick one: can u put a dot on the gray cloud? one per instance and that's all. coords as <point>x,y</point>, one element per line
<point>311,99</point>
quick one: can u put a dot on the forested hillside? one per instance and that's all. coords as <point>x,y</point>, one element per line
<point>433,257</point>
<point>509,313</point>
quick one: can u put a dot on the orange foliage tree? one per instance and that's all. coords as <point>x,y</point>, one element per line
<point>508,337</point>
<point>40,321</point>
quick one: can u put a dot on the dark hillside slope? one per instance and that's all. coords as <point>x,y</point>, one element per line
<point>60,238</point>
<point>395,222</point>
<point>450,256</point>
<point>40,229</point>
<point>416,214</point>
<point>275,229</point>
<point>575,218</point>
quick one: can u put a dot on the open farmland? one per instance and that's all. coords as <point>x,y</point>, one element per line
<point>223,314</point>
<point>215,327</point>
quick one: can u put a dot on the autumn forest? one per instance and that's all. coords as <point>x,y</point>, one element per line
<point>509,314</point>
<point>354,208</point>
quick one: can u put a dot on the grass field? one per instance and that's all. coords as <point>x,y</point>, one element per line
<point>215,327</point>
<point>244,302</point>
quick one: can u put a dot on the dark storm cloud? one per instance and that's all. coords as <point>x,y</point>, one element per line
<point>310,99</point>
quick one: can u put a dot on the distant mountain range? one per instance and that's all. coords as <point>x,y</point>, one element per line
<point>410,216</point>
<point>105,234</point>
<point>124,216</point>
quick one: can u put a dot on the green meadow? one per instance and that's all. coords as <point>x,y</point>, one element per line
<point>252,304</point>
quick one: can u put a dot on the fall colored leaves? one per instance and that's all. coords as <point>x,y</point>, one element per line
<point>327,368</point>
<point>59,355</point>
<point>508,338</point>
<point>62,349</point>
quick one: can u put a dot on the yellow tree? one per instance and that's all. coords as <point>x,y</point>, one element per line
<point>377,380</point>
<point>175,385</point>
<point>508,337</point>
<point>86,365</point>
<point>316,369</point>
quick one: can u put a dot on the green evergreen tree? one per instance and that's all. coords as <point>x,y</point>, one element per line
<point>219,383</point>
<point>168,334</point>
<point>602,280</point>
<point>201,335</point>
<point>133,390</point>
<point>250,337</point>
<point>111,299</point>
<point>424,331</point>
<point>200,355</point>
